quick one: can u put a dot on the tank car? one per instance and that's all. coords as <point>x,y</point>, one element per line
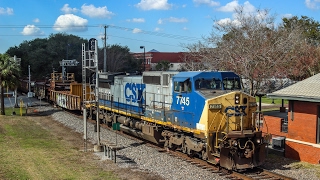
<point>202,114</point>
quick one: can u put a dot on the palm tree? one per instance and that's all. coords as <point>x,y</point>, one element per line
<point>9,75</point>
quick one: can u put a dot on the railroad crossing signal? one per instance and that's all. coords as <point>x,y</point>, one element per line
<point>69,62</point>
<point>65,63</point>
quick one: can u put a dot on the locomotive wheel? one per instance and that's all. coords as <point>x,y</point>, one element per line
<point>184,149</point>
<point>173,147</point>
<point>204,155</point>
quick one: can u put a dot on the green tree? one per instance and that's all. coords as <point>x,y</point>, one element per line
<point>306,54</point>
<point>9,75</point>
<point>46,53</point>
<point>163,65</point>
<point>119,58</point>
<point>310,27</point>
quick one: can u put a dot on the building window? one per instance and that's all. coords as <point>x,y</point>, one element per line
<point>284,125</point>
<point>165,79</point>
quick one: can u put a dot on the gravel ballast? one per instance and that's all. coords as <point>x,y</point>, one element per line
<point>136,155</point>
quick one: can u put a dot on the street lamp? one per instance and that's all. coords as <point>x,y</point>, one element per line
<point>144,57</point>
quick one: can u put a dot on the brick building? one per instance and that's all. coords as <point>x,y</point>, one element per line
<point>300,125</point>
<point>153,57</point>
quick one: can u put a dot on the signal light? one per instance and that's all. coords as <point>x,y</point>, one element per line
<point>237,98</point>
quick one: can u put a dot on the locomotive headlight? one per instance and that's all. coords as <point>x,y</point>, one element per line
<point>258,141</point>
<point>237,98</point>
<point>234,143</point>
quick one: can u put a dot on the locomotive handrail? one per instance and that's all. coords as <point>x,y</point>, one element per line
<point>211,125</point>
<point>214,119</point>
<point>216,144</point>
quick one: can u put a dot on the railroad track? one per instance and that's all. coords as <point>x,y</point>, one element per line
<point>250,174</point>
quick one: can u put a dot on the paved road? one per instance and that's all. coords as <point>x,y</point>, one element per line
<point>10,101</point>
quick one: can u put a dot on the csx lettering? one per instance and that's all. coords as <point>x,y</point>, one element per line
<point>133,92</point>
<point>235,110</point>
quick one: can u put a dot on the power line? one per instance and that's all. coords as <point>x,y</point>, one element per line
<point>165,35</point>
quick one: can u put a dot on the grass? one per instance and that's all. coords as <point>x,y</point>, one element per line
<point>304,165</point>
<point>18,111</point>
<point>264,99</point>
<point>30,152</point>
<point>293,164</point>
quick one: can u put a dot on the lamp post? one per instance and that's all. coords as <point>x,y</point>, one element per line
<point>68,51</point>
<point>144,57</point>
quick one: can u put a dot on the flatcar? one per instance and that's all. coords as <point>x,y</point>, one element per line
<point>203,114</point>
<point>66,93</point>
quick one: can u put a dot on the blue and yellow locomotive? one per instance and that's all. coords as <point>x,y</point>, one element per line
<point>203,114</point>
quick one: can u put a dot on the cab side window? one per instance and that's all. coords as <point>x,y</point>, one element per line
<point>182,86</point>
<point>177,86</point>
<point>187,86</point>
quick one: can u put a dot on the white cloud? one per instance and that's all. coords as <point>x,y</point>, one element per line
<point>287,16</point>
<point>92,11</point>
<point>248,8</point>
<point>154,4</point>
<point>136,20</point>
<point>136,30</point>
<point>32,30</point>
<point>68,10</point>
<point>231,6</point>
<point>173,20</point>
<point>206,2</point>
<point>185,28</point>
<point>177,20</point>
<point>36,20</point>
<point>70,22</point>
<point>184,5</point>
<point>312,4</point>
<point>6,11</point>
<point>227,21</point>
<point>157,29</point>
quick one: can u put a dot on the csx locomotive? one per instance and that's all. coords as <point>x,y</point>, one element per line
<point>202,114</point>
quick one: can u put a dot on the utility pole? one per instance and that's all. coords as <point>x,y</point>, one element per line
<point>105,50</point>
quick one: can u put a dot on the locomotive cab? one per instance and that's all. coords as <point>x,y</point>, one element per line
<point>215,105</point>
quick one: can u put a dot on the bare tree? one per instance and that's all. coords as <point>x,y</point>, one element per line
<point>251,46</point>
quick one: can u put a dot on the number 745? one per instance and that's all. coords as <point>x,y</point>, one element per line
<point>183,100</point>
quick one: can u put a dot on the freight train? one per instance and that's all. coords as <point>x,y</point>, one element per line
<point>203,114</point>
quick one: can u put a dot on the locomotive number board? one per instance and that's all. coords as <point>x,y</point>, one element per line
<point>215,106</point>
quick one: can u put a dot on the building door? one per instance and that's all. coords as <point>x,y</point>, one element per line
<point>318,126</point>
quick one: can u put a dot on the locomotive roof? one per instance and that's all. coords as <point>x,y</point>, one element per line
<point>203,74</point>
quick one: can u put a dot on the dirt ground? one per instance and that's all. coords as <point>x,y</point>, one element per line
<point>75,140</point>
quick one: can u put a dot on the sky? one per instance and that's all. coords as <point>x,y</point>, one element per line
<point>163,25</point>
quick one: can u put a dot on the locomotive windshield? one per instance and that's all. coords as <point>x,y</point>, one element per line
<point>217,84</point>
<point>231,84</point>
<point>208,84</point>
